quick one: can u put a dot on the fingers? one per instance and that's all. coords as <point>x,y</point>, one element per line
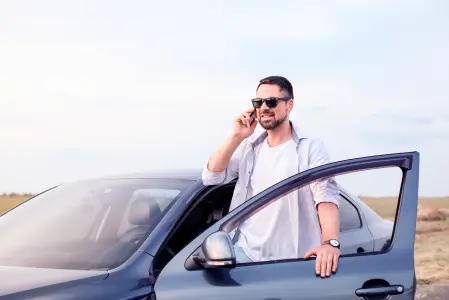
<point>329,262</point>
<point>323,265</point>
<point>243,120</point>
<point>319,257</point>
<point>335,263</point>
<point>246,119</point>
<point>326,261</point>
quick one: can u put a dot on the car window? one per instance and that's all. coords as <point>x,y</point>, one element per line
<point>93,224</point>
<point>349,216</point>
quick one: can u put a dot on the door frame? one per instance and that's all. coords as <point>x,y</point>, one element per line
<point>403,234</point>
<point>388,271</point>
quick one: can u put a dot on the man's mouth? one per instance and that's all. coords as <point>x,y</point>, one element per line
<point>266,116</point>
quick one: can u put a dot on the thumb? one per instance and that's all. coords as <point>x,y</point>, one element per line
<point>309,254</point>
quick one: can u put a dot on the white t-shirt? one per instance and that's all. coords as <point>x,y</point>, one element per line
<point>273,233</point>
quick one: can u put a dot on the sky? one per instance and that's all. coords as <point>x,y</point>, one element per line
<point>92,88</point>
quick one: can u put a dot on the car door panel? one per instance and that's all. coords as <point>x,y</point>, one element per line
<point>286,280</point>
<point>391,271</point>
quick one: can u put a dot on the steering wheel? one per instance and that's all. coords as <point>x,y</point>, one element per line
<point>134,235</point>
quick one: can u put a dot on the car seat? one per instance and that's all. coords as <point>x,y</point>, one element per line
<point>144,214</point>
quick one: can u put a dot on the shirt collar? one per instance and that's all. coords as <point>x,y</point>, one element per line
<point>296,136</point>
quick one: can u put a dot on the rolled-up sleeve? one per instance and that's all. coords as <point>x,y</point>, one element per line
<point>228,174</point>
<point>327,189</point>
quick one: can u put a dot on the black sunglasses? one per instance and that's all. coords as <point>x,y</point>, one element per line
<point>270,102</point>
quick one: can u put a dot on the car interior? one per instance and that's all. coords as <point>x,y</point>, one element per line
<point>209,208</point>
<point>144,214</point>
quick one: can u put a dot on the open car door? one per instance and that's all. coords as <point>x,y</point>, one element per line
<point>207,268</point>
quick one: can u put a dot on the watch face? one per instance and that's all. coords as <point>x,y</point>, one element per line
<point>334,243</point>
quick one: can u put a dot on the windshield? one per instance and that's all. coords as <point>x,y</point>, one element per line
<point>85,225</point>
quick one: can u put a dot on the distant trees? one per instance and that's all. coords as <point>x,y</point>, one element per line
<point>11,195</point>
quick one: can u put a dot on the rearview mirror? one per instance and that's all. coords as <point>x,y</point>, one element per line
<point>216,251</point>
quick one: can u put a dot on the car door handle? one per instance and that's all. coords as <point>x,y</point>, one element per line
<point>380,291</point>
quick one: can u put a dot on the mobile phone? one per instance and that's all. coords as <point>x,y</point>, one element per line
<point>252,118</point>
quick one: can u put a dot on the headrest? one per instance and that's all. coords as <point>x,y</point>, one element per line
<point>144,211</point>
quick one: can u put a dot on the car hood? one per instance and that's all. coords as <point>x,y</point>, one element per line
<point>22,280</point>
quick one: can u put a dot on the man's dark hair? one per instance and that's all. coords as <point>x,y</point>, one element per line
<point>282,82</point>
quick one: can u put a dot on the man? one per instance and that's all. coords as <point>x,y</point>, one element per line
<point>306,221</point>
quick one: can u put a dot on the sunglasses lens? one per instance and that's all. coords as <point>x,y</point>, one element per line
<point>257,103</point>
<point>271,102</point>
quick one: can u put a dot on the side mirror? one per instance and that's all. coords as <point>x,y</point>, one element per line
<point>217,251</point>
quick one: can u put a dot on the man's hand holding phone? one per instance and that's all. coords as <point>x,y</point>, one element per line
<point>245,124</point>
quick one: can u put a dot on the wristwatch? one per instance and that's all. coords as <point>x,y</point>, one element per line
<point>333,243</point>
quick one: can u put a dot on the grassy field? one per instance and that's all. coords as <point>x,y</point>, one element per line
<point>7,202</point>
<point>432,234</point>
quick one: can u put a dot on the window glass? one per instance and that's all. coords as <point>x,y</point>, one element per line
<point>349,216</point>
<point>94,224</point>
<point>288,226</point>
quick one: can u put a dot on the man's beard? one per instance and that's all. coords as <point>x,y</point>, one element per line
<point>273,124</point>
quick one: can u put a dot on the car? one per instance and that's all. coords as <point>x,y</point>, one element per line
<point>164,235</point>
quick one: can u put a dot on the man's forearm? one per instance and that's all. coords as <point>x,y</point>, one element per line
<point>330,220</point>
<point>220,159</point>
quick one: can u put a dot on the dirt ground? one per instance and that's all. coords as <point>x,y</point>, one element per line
<point>432,260</point>
<point>436,291</point>
<point>432,252</point>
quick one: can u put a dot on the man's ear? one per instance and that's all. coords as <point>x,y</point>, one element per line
<point>290,105</point>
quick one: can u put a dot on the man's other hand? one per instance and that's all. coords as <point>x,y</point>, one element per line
<point>326,259</point>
